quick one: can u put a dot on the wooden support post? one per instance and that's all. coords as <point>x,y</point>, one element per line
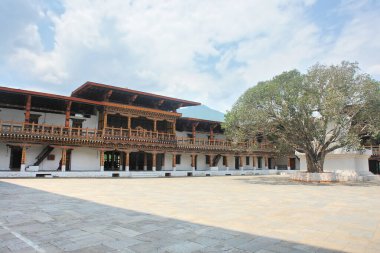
<point>194,129</point>
<point>211,160</point>
<point>129,122</point>
<point>174,127</point>
<point>289,162</point>
<point>102,160</point>
<point>105,120</point>
<point>154,161</point>
<point>154,125</point>
<point>67,117</point>
<point>145,161</point>
<point>266,162</point>
<point>23,159</point>
<point>174,161</point>
<point>63,159</point>
<point>193,158</point>
<point>226,157</point>
<point>127,160</point>
<point>27,108</point>
<point>254,162</point>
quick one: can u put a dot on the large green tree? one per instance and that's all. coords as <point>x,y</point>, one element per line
<point>327,108</point>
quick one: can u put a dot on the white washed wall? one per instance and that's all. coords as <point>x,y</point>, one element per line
<point>5,154</point>
<point>85,159</point>
<point>45,118</point>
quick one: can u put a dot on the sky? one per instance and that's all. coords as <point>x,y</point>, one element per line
<point>206,51</point>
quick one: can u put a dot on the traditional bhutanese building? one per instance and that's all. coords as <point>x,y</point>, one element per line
<point>102,130</point>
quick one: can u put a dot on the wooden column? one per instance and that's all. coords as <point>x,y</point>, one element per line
<point>105,115</point>
<point>194,129</point>
<point>154,161</point>
<point>145,161</point>
<point>174,127</point>
<point>23,159</point>
<point>193,157</point>
<point>129,122</point>
<point>63,159</point>
<point>27,108</point>
<point>101,160</point>
<point>126,160</point>
<point>289,163</point>
<point>211,160</point>
<point>174,162</point>
<point>266,162</point>
<point>226,157</point>
<point>154,125</point>
<point>67,117</point>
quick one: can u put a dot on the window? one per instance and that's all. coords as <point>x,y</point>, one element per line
<point>178,159</point>
<point>77,123</point>
<point>207,159</point>
<point>247,160</point>
<point>224,160</point>
<point>34,118</point>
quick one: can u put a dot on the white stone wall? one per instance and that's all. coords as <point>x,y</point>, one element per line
<point>85,159</point>
<point>45,118</point>
<point>5,154</point>
<point>340,160</point>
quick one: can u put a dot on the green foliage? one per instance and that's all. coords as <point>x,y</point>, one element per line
<point>320,111</point>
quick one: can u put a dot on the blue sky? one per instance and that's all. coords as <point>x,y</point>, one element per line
<point>207,51</point>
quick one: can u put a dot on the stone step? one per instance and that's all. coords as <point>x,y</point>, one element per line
<point>145,174</point>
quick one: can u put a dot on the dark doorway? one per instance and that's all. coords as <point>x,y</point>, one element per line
<point>68,159</point>
<point>292,163</point>
<point>270,163</point>
<point>259,162</point>
<point>15,159</point>
<point>160,161</point>
<point>113,160</point>
<point>236,162</point>
<point>374,166</point>
<point>138,160</point>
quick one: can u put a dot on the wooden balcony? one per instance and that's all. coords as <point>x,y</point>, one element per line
<point>113,137</point>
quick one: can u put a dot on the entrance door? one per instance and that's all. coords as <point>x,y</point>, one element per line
<point>236,162</point>
<point>292,163</point>
<point>15,159</point>
<point>112,160</point>
<point>374,166</point>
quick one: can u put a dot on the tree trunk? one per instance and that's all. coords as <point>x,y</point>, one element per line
<point>315,162</point>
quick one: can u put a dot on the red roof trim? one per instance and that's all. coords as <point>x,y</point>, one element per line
<point>106,86</point>
<point>49,95</point>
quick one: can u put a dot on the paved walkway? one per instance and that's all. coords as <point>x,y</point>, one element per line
<point>205,214</point>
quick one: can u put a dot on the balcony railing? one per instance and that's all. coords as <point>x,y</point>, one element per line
<point>30,131</point>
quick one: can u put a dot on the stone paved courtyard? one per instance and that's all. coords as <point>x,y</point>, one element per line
<point>204,214</point>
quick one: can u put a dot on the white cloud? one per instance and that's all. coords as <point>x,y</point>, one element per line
<point>156,46</point>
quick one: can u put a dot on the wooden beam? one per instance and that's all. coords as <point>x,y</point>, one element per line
<point>107,95</point>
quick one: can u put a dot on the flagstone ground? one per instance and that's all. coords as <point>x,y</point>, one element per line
<point>192,214</point>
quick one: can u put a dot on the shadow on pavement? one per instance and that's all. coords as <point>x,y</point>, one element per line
<point>39,221</point>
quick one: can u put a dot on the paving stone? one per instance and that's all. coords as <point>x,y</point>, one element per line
<point>213,214</point>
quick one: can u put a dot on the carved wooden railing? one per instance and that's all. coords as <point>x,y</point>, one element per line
<point>30,131</point>
<point>203,142</point>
